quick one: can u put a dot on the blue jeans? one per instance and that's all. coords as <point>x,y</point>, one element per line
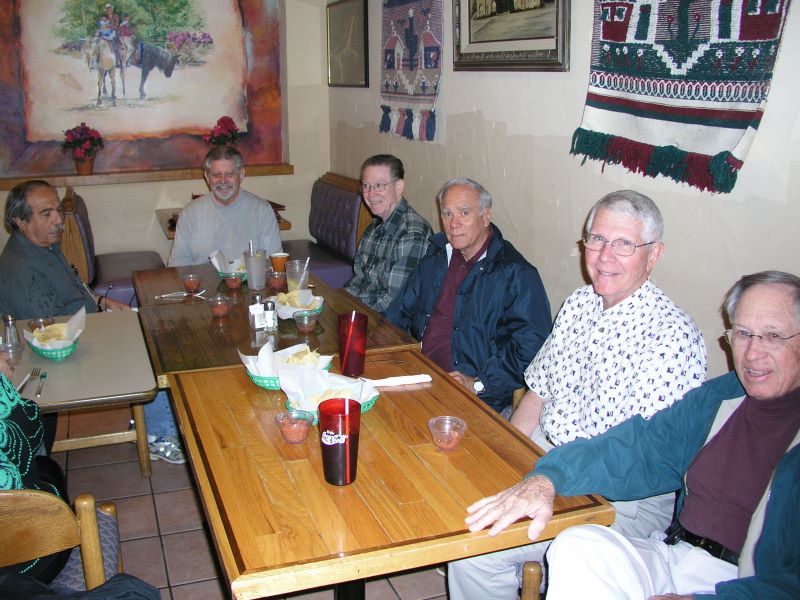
<point>158,416</point>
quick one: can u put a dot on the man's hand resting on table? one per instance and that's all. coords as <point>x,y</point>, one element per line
<point>533,497</point>
<point>107,303</point>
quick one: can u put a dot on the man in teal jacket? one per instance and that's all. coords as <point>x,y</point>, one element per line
<point>735,458</point>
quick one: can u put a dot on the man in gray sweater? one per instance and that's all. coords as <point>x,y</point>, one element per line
<point>225,219</point>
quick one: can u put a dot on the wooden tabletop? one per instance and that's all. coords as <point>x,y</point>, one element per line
<point>183,334</point>
<point>109,366</point>
<point>279,528</point>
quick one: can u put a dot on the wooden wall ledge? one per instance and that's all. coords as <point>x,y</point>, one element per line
<point>142,176</point>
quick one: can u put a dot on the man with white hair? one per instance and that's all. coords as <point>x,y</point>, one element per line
<point>619,347</point>
<point>733,449</point>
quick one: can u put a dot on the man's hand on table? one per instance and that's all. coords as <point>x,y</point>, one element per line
<point>110,304</point>
<point>464,380</point>
<point>533,497</point>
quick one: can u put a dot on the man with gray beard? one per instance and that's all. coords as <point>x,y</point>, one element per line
<point>225,219</point>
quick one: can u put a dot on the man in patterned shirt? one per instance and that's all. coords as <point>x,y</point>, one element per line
<point>619,348</point>
<point>394,242</point>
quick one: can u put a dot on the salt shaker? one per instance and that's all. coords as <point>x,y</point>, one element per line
<point>270,317</point>
<point>11,336</point>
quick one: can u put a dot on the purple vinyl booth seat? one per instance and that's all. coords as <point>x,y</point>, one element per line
<point>337,219</point>
<point>108,274</point>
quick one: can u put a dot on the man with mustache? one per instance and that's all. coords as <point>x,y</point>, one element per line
<point>225,219</point>
<point>36,279</point>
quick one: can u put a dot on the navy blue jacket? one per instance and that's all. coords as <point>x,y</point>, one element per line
<point>502,316</point>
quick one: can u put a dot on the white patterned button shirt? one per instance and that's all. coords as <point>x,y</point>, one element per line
<point>599,368</point>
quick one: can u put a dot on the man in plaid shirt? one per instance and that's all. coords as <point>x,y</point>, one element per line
<point>394,242</point>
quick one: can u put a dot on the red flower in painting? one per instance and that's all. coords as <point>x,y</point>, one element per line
<point>225,132</point>
<point>84,141</point>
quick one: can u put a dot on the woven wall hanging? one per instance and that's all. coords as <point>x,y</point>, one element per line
<point>678,87</point>
<point>410,71</point>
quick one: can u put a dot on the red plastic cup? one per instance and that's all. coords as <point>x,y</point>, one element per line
<point>352,343</point>
<point>338,433</point>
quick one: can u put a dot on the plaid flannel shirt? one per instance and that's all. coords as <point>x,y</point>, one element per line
<point>387,253</point>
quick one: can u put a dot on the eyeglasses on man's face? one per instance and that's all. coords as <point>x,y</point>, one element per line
<point>376,187</point>
<point>740,338</point>
<point>619,247</point>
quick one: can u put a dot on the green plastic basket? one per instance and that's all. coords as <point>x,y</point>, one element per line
<point>54,353</point>
<point>268,383</point>
<point>365,406</point>
<point>240,274</point>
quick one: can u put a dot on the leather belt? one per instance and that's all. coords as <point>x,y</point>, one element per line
<point>715,549</point>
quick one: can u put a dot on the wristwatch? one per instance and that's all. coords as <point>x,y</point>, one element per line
<point>477,385</point>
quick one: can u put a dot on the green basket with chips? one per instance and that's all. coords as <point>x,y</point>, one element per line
<point>365,406</point>
<point>268,383</point>
<point>54,353</point>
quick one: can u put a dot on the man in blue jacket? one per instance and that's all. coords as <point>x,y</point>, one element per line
<point>734,453</point>
<point>478,307</point>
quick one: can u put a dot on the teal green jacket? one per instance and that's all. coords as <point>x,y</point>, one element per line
<point>641,458</point>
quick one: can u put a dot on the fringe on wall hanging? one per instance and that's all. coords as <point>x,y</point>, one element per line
<point>410,71</point>
<point>678,87</point>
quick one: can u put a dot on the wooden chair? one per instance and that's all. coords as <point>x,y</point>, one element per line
<point>109,274</point>
<point>36,524</point>
<point>531,580</point>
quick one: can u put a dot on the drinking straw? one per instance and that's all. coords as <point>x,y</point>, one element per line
<point>304,276</point>
<point>347,440</point>
<point>251,247</point>
<point>347,339</point>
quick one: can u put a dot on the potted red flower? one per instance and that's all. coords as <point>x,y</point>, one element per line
<point>85,142</point>
<point>225,132</point>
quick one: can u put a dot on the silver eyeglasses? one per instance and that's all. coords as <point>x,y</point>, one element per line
<point>376,187</point>
<point>619,247</point>
<point>772,341</point>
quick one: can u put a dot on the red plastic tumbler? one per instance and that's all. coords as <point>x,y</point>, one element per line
<point>339,425</point>
<point>352,343</point>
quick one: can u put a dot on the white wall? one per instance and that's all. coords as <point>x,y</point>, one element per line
<point>512,132</point>
<point>123,216</point>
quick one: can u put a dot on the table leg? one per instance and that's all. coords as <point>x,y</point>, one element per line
<point>141,439</point>
<point>349,590</point>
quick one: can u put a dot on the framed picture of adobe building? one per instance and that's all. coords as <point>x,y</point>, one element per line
<point>181,66</point>
<point>511,35</point>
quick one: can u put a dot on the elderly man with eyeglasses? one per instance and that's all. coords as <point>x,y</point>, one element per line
<point>478,307</point>
<point>394,242</point>
<point>731,446</point>
<point>619,348</point>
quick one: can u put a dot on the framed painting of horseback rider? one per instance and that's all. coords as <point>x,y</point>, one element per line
<point>151,80</point>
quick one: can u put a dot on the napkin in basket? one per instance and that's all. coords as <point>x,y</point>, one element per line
<point>306,388</point>
<point>322,362</point>
<point>75,326</point>
<point>262,365</point>
<point>305,297</point>
<point>222,265</point>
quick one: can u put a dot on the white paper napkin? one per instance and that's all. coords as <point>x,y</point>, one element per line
<point>262,365</point>
<point>322,362</point>
<point>400,380</point>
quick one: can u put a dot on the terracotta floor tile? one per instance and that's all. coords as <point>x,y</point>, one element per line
<point>165,594</point>
<point>105,420</point>
<point>380,589</point>
<point>137,517</point>
<point>178,511</point>
<point>213,589</point>
<point>419,585</point>
<point>190,557</point>
<point>167,477</point>
<point>106,482</point>
<point>144,559</point>
<point>102,455</point>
